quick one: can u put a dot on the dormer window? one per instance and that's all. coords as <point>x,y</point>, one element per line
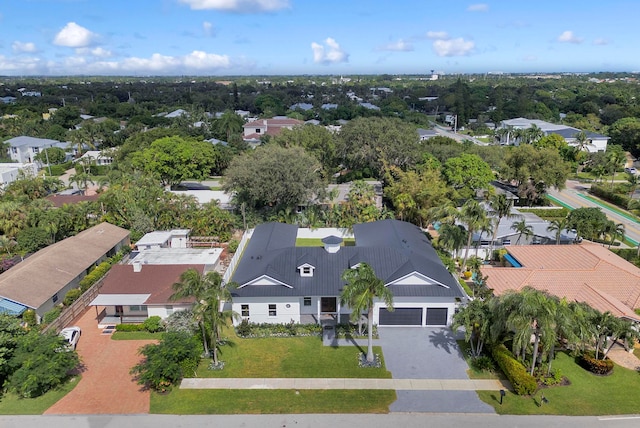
<point>306,270</point>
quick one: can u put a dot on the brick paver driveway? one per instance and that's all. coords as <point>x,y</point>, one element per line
<point>106,386</point>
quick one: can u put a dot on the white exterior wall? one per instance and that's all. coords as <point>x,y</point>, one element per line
<point>165,310</point>
<point>259,309</point>
<point>417,302</point>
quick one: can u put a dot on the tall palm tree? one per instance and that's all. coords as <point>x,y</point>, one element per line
<point>615,160</point>
<point>533,134</point>
<point>209,294</point>
<point>363,286</point>
<point>582,141</point>
<point>500,207</point>
<point>474,217</point>
<point>522,228</point>
<point>475,317</point>
<point>452,237</point>
<point>612,230</point>
<point>557,226</point>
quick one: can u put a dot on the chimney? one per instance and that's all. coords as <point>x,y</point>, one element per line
<point>332,244</point>
<point>137,266</point>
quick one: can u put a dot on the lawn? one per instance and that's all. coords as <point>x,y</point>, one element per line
<point>275,401</point>
<point>136,335</point>
<point>317,242</point>
<point>588,394</point>
<point>11,404</point>
<point>290,357</point>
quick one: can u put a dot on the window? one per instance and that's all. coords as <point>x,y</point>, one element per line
<point>272,310</point>
<point>245,310</point>
<point>307,301</point>
<point>506,242</point>
<point>257,130</point>
<point>14,150</point>
<point>55,298</point>
<point>36,150</point>
<point>169,309</point>
<point>306,270</point>
<point>137,308</point>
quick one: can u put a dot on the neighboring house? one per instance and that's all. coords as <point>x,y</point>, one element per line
<point>43,279</point>
<point>595,142</point>
<point>176,238</point>
<point>341,192</point>
<point>369,106</point>
<point>10,172</point>
<point>255,129</point>
<point>68,198</point>
<point>222,198</point>
<point>209,257</point>
<point>278,282</point>
<point>587,272</point>
<point>24,149</point>
<point>176,113</point>
<point>132,293</point>
<point>95,157</point>
<point>301,106</point>
<point>8,100</point>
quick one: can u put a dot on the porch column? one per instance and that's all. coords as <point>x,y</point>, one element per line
<point>338,313</point>
<point>318,311</point>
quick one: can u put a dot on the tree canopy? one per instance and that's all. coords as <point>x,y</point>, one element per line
<point>467,173</point>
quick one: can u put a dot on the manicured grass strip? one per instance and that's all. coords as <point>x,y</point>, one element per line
<point>317,242</point>
<point>290,357</point>
<point>588,394</point>
<point>12,404</point>
<point>274,401</point>
<point>135,335</point>
<point>559,202</point>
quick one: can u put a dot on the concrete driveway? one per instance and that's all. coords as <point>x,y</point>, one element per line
<point>427,353</point>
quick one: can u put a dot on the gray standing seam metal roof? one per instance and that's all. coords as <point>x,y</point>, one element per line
<point>392,248</point>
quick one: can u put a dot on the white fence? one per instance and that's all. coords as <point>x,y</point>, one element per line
<point>236,256</point>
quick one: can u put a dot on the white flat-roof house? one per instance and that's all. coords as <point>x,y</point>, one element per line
<point>176,238</point>
<point>9,172</point>
<point>96,157</point>
<point>595,142</point>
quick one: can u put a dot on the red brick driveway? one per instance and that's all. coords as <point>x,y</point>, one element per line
<point>106,386</point>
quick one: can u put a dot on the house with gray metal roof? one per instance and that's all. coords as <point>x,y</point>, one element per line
<point>279,282</point>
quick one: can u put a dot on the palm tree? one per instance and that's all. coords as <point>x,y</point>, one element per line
<point>500,207</point>
<point>533,134</point>
<point>633,181</point>
<point>363,286</point>
<point>209,294</point>
<point>558,225</point>
<point>475,317</point>
<point>79,138</point>
<point>82,179</point>
<point>452,237</point>
<point>522,228</point>
<point>613,231</point>
<point>474,217</point>
<point>582,141</point>
<point>615,159</point>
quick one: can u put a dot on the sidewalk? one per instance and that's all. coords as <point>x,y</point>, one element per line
<point>346,383</point>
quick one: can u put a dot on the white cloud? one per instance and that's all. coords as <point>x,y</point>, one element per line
<point>569,37</point>
<point>399,46</point>
<point>601,42</point>
<point>208,29</point>
<point>23,47</point>
<point>243,6</point>
<point>98,52</point>
<point>74,36</point>
<point>478,7</point>
<point>21,65</point>
<point>438,35</point>
<point>453,47</point>
<point>530,58</point>
<point>330,53</point>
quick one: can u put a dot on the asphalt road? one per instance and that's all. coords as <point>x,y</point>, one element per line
<point>446,132</point>
<point>439,420</point>
<point>573,195</point>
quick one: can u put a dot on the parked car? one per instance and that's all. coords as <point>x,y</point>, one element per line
<point>71,335</point>
<point>631,170</point>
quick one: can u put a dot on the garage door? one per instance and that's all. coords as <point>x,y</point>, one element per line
<point>437,316</point>
<point>401,316</point>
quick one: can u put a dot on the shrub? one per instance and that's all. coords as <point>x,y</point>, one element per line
<point>52,315</point>
<point>521,381</point>
<point>248,329</point>
<point>589,362</point>
<point>129,327</point>
<point>181,321</point>
<point>233,245</point>
<point>617,199</point>
<point>29,317</point>
<point>93,276</point>
<point>153,324</point>
<point>166,363</point>
<point>71,296</point>
<point>244,328</point>
<point>482,363</point>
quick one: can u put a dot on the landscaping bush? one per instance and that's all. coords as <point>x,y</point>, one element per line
<point>247,329</point>
<point>181,321</point>
<point>589,362</point>
<point>620,200</point>
<point>233,246</point>
<point>129,327</point>
<point>482,363</point>
<point>52,315</point>
<point>521,381</point>
<point>547,213</point>
<point>344,330</point>
<point>71,296</point>
<point>29,317</point>
<point>153,324</point>
<point>93,276</point>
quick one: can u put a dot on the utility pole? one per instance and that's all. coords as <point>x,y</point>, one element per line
<point>455,124</point>
<point>46,154</point>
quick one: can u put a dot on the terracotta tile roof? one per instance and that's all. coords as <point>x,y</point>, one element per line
<point>59,200</point>
<point>35,280</point>
<point>587,273</point>
<point>156,280</point>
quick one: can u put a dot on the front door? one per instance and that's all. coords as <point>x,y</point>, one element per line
<point>119,311</point>
<point>328,304</point>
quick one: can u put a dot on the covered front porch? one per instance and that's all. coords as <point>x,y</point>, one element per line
<point>113,309</point>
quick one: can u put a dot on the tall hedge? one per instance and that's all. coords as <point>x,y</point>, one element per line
<point>521,381</point>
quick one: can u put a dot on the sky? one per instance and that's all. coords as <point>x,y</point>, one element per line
<point>325,37</point>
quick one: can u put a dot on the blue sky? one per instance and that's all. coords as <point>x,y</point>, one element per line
<point>271,37</point>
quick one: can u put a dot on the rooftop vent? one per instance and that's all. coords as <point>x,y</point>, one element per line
<point>332,243</point>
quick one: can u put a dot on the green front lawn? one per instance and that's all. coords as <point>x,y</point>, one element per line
<point>290,357</point>
<point>136,335</point>
<point>588,394</point>
<point>317,242</point>
<point>275,401</point>
<point>11,404</point>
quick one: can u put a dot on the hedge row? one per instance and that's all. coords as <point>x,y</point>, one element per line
<point>621,201</point>
<point>247,329</point>
<point>521,381</point>
<point>589,362</point>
